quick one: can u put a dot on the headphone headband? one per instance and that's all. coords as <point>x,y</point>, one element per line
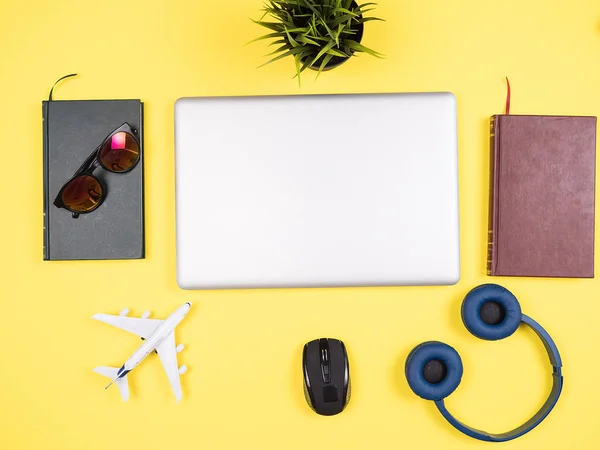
<point>549,344</point>
<point>557,384</point>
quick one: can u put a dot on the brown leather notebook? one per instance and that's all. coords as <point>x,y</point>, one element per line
<point>542,196</point>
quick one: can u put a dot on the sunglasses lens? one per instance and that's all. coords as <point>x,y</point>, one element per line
<point>119,153</point>
<point>82,194</point>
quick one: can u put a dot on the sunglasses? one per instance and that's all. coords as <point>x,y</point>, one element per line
<point>119,152</point>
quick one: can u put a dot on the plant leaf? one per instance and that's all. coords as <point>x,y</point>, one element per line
<point>297,61</point>
<point>319,38</point>
<point>346,11</point>
<point>280,49</point>
<point>341,19</point>
<point>366,4</point>
<point>306,40</point>
<point>368,19</point>
<point>279,41</point>
<point>337,35</point>
<point>323,64</point>
<point>305,64</point>
<point>361,48</point>
<point>291,39</point>
<point>266,36</point>
<point>296,30</point>
<point>313,9</point>
<point>270,25</point>
<point>324,50</point>
<point>334,52</point>
<point>329,32</point>
<point>291,51</point>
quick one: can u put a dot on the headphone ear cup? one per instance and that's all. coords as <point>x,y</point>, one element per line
<point>491,312</point>
<point>433,370</point>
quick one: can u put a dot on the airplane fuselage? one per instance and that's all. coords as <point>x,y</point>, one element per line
<point>153,341</point>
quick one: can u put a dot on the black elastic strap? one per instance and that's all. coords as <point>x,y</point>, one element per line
<point>58,81</point>
<point>46,150</point>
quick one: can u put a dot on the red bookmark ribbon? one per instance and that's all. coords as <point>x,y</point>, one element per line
<point>507,96</point>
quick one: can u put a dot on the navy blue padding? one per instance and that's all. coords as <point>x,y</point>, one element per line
<point>415,364</point>
<point>486,293</point>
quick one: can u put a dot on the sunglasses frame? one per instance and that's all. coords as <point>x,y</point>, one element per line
<point>91,163</point>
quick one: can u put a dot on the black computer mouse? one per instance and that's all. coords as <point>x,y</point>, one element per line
<point>326,376</point>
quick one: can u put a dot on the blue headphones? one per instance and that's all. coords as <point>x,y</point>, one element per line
<point>434,369</point>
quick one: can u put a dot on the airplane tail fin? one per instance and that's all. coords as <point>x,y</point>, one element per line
<point>112,373</point>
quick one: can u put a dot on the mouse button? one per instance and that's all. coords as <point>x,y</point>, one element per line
<point>312,362</point>
<point>338,362</point>
<point>337,350</point>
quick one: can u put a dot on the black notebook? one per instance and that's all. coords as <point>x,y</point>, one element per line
<point>74,132</point>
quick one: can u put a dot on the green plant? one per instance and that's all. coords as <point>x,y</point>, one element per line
<point>316,33</point>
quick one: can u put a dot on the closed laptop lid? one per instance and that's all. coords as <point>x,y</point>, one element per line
<point>317,191</point>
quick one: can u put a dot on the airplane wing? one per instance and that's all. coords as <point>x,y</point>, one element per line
<point>140,327</point>
<point>168,357</point>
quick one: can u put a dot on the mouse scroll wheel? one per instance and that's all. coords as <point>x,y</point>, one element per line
<point>325,372</point>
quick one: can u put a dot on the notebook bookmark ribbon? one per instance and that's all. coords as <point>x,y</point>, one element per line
<point>507,96</point>
<point>58,81</point>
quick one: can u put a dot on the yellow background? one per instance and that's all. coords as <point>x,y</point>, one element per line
<point>244,387</point>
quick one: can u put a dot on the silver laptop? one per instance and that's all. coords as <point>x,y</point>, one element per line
<point>317,191</point>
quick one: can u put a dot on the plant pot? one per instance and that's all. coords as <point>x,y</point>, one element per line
<point>337,61</point>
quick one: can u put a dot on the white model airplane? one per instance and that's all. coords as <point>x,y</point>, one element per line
<point>158,336</point>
